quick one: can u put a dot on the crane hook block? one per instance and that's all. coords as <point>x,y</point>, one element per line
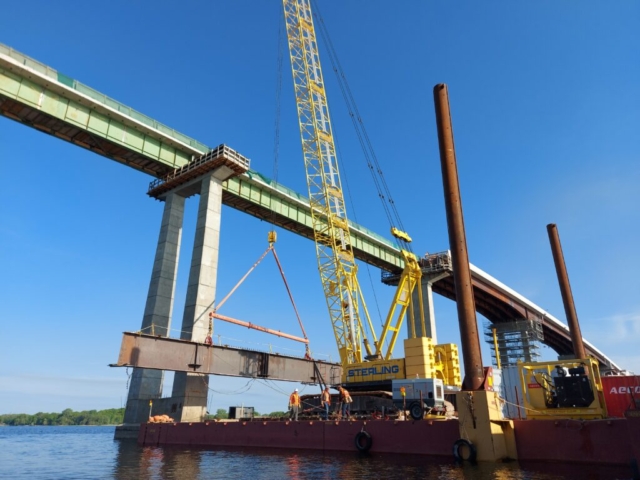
<point>400,234</point>
<point>272,237</point>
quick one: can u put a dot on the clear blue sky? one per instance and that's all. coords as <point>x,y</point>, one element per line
<point>546,107</point>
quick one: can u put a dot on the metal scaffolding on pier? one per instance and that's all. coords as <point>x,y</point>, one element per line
<point>516,341</point>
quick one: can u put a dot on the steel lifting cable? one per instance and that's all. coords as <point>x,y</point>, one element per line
<point>245,388</point>
<point>363,137</point>
<point>244,278</point>
<point>295,309</point>
<point>276,156</point>
<point>343,89</point>
<point>273,387</point>
<point>209,338</point>
<point>336,64</point>
<point>271,249</point>
<point>309,405</point>
<point>368,267</point>
<point>276,136</point>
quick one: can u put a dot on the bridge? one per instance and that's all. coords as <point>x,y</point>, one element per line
<point>40,97</point>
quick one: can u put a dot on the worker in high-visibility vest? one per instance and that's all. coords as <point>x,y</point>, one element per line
<point>345,400</point>
<point>326,402</point>
<point>294,405</point>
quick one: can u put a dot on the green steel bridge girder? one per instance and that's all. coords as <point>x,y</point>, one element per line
<point>56,104</point>
<point>259,196</point>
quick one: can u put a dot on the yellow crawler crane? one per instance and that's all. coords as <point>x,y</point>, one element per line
<point>336,263</point>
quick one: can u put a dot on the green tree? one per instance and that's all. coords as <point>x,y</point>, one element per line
<point>111,416</point>
<point>221,414</point>
<point>278,414</point>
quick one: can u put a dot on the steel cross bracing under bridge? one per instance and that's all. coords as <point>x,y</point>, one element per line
<point>38,96</point>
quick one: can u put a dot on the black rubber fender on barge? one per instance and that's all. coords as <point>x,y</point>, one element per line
<point>460,455</point>
<point>363,441</point>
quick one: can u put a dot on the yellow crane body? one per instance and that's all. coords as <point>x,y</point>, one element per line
<point>336,263</point>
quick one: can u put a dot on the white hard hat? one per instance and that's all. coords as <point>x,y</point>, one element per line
<point>296,390</point>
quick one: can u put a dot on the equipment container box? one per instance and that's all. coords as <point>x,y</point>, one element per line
<point>432,390</point>
<point>240,412</point>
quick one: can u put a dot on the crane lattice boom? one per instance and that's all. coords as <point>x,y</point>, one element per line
<point>331,230</point>
<point>336,263</point>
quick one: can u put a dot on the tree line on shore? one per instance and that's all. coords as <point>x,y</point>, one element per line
<point>112,416</point>
<point>222,414</point>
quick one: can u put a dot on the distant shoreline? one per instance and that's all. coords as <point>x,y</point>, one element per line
<point>94,418</point>
<point>105,425</point>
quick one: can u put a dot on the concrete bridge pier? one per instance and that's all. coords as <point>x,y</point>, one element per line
<point>190,390</point>
<point>146,384</point>
<point>203,176</point>
<point>427,281</point>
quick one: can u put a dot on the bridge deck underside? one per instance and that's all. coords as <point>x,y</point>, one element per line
<point>78,136</point>
<point>497,309</point>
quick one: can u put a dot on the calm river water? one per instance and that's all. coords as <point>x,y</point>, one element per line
<point>62,453</point>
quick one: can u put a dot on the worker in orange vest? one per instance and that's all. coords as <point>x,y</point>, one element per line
<point>345,400</point>
<point>326,402</point>
<point>294,405</point>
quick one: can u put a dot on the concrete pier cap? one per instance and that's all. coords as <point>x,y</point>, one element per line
<point>222,162</point>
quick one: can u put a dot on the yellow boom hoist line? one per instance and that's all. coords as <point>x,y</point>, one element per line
<point>336,263</point>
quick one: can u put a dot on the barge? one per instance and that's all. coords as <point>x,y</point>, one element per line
<point>614,441</point>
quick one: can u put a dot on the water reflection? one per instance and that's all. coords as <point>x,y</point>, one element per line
<point>168,463</point>
<point>81,453</point>
<point>147,463</point>
<point>186,462</point>
<point>293,467</point>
